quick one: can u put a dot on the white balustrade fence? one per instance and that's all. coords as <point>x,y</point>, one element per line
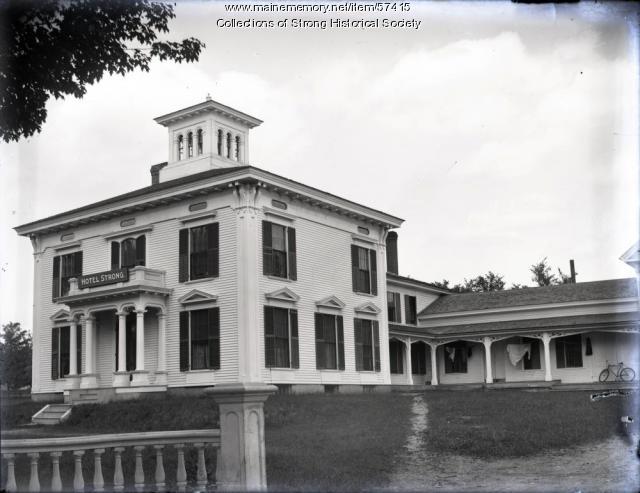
<point>122,446</point>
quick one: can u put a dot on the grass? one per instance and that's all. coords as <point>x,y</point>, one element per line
<point>515,423</point>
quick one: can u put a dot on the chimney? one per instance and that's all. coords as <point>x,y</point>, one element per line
<point>155,172</point>
<point>572,268</point>
<point>392,252</point>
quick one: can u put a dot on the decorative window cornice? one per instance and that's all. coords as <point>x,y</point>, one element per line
<point>283,294</point>
<point>368,308</point>
<point>364,239</point>
<point>197,217</point>
<point>279,214</point>
<point>68,246</point>
<point>61,316</point>
<point>197,296</point>
<point>331,302</point>
<point>128,232</point>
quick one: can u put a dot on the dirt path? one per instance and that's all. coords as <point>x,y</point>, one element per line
<point>610,466</point>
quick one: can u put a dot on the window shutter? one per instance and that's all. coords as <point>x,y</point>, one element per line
<point>295,352</point>
<point>374,272</point>
<point>357,323</point>
<point>396,304</point>
<point>214,338</point>
<point>55,341</point>
<point>115,255</point>
<point>376,344</point>
<point>79,348</point>
<point>407,309</point>
<point>291,254</point>
<point>354,267</point>
<point>141,250</point>
<point>320,363</point>
<point>340,343</point>
<point>184,341</point>
<point>213,250</point>
<point>267,249</point>
<point>77,264</point>
<point>183,254</point>
<point>56,277</point>
<point>269,348</point>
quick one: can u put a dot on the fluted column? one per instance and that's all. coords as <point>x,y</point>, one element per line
<point>162,334</point>
<point>140,340</point>
<point>122,341</point>
<point>73,348</point>
<point>89,379</point>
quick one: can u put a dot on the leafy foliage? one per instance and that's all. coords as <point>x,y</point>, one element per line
<point>542,275</point>
<point>15,356</point>
<point>55,48</point>
<point>484,282</point>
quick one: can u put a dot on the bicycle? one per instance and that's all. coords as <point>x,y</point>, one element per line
<point>621,372</point>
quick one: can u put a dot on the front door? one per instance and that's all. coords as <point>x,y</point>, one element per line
<point>130,333</point>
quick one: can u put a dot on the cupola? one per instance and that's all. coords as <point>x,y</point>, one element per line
<point>205,136</point>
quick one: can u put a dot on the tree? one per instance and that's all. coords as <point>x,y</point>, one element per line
<point>56,48</point>
<point>542,275</point>
<point>15,356</point>
<point>484,282</point>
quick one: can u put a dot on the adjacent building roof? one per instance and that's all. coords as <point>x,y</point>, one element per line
<point>419,284</point>
<point>563,293</point>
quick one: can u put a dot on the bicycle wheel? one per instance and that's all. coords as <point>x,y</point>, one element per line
<point>627,374</point>
<point>604,375</point>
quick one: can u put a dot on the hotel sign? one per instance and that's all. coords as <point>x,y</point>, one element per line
<point>102,278</point>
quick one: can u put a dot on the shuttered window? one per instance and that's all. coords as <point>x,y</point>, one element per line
<point>129,252</point>
<point>65,267</point>
<point>279,251</point>
<point>329,331</point>
<point>200,339</point>
<point>281,338</point>
<point>199,252</point>
<point>61,351</point>
<point>364,270</point>
<point>393,307</point>
<point>410,312</point>
<point>367,341</point>
<point>396,356</point>
<point>569,351</point>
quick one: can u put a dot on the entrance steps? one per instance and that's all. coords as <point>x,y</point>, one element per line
<point>52,414</point>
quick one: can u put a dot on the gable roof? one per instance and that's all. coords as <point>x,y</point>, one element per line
<point>391,277</point>
<point>563,293</point>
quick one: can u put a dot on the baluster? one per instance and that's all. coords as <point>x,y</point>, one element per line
<point>98,480</point>
<point>34,481</point>
<point>11,473</point>
<point>78,479</point>
<point>181,473</point>
<point>160,485</point>
<point>56,482</point>
<point>118,476</point>
<point>202,467</point>
<point>139,476</point>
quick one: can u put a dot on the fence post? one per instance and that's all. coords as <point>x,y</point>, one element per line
<point>241,462</point>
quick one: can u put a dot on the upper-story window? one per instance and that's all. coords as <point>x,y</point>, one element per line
<point>393,307</point>
<point>190,144</point>
<point>199,252</point>
<point>367,341</point>
<point>281,338</point>
<point>410,310</point>
<point>200,142</point>
<point>364,270</point>
<point>128,252</point>
<point>279,251</point>
<point>200,339</point>
<point>64,268</point>
<point>180,147</point>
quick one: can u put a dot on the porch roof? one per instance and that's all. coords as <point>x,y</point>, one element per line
<point>603,321</point>
<point>563,293</point>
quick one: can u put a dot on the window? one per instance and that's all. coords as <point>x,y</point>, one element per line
<point>60,351</point>
<point>396,356</point>
<point>410,312</point>
<point>455,357</point>
<point>128,252</point>
<point>329,342</point>
<point>199,252</point>
<point>281,338</point>
<point>569,351</point>
<point>190,144</point>
<point>367,344</point>
<point>228,145</point>
<point>200,142</point>
<point>363,269</point>
<point>418,358</point>
<point>237,156</point>
<point>180,147</point>
<point>64,268</point>
<point>220,139</point>
<point>279,251</point>
<point>200,339</point>
<point>393,307</point>
<point>531,360</point>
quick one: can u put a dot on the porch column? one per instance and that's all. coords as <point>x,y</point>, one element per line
<point>546,338</point>
<point>140,340</point>
<point>89,379</point>
<point>487,352</point>
<point>161,371</point>
<point>434,364</point>
<point>121,377</point>
<point>407,361</point>
<point>73,348</point>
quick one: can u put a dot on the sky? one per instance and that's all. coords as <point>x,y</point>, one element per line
<point>502,133</point>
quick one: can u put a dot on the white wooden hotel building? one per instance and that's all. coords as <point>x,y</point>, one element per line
<point>221,272</point>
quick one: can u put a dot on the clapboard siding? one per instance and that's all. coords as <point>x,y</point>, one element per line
<point>423,298</point>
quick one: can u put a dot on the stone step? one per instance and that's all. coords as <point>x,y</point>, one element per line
<point>51,414</point>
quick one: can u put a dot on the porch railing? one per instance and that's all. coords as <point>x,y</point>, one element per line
<point>120,445</point>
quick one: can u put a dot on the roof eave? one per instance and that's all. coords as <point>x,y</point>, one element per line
<point>207,106</point>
